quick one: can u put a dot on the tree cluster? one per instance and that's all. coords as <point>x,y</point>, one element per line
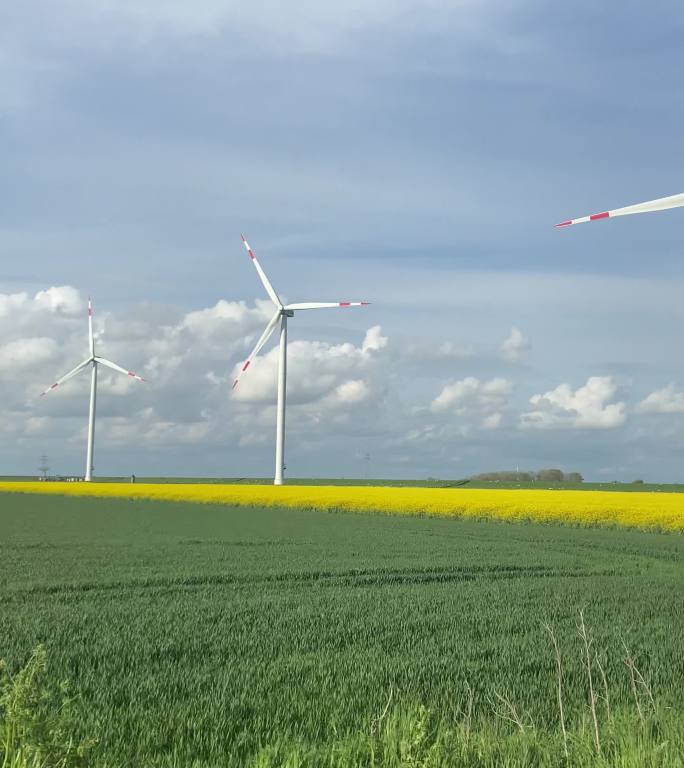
<point>541,476</point>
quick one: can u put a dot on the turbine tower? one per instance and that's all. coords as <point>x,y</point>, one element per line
<point>661,204</point>
<point>93,360</point>
<point>283,311</point>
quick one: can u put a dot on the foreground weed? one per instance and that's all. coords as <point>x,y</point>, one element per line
<point>36,723</point>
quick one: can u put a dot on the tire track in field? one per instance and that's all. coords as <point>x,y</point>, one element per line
<point>357,577</point>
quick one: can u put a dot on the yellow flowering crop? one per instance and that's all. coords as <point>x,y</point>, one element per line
<point>663,511</point>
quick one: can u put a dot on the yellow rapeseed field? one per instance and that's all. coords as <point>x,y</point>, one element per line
<point>664,511</point>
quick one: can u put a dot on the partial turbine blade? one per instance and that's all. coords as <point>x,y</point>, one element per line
<point>661,204</point>
<point>68,376</point>
<point>265,336</point>
<point>262,275</point>
<point>327,304</point>
<point>118,368</point>
<point>91,338</point>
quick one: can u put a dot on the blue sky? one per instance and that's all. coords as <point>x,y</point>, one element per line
<point>415,154</point>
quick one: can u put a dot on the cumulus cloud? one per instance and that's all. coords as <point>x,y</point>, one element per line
<point>470,394</point>
<point>315,369</point>
<point>63,299</point>
<point>493,421</point>
<point>353,391</point>
<point>665,400</point>
<point>587,407</point>
<point>514,347</point>
<point>186,358</point>
<point>373,340</point>
<point>27,352</point>
<point>60,299</point>
<point>477,403</point>
<point>227,315</point>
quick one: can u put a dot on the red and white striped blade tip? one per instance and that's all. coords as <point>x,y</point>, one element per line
<point>582,219</point>
<point>135,376</point>
<point>249,250</point>
<point>244,368</point>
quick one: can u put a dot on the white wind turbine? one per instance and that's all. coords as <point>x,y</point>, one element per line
<point>93,360</point>
<point>661,204</point>
<point>283,311</point>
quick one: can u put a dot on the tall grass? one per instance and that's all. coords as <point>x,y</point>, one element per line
<point>37,721</point>
<point>37,731</point>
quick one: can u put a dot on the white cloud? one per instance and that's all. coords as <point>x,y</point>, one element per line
<point>227,316</point>
<point>515,346</point>
<point>63,299</point>
<point>337,390</point>
<point>186,359</point>
<point>450,350</point>
<point>586,407</point>
<point>315,370</point>
<point>9,302</point>
<point>353,391</point>
<point>492,421</point>
<point>374,340</point>
<point>60,299</point>
<point>666,400</point>
<point>471,394</point>
<point>26,352</point>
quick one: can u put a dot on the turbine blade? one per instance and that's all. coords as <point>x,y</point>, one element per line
<point>661,204</point>
<point>262,276</point>
<point>91,338</point>
<point>118,368</point>
<point>265,336</point>
<point>327,304</point>
<point>68,376</point>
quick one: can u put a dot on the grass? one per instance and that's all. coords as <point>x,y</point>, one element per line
<point>205,635</point>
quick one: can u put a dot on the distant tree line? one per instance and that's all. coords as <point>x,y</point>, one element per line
<point>542,476</point>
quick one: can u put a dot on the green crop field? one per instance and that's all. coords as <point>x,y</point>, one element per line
<point>199,635</point>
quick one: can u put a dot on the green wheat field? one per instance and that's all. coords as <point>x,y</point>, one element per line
<point>199,635</point>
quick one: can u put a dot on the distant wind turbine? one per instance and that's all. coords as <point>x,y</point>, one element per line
<point>283,311</point>
<point>661,204</point>
<point>93,360</point>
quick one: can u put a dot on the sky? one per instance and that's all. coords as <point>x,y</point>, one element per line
<point>411,153</point>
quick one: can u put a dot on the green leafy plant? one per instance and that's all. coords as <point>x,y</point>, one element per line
<point>37,721</point>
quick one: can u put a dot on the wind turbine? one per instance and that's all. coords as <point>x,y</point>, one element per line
<point>661,204</point>
<point>93,360</point>
<point>283,311</point>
